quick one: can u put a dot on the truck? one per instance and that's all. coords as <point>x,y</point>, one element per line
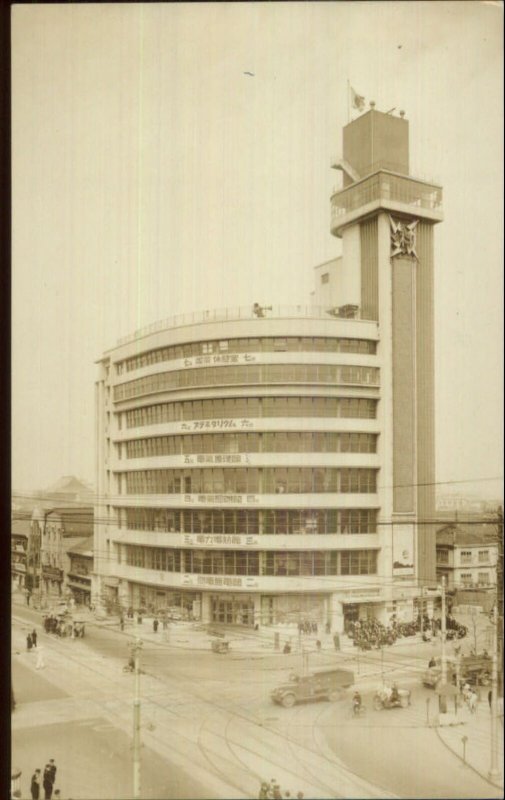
<point>473,669</point>
<point>325,684</point>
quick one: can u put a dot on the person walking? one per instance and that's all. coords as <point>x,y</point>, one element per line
<point>40,658</point>
<point>35,785</point>
<point>155,625</point>
<point>29,642</point>
<point>34,637</point>
<point>49,779</point>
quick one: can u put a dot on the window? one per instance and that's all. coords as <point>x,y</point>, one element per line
<point>483,578</point>
<point>483,556</point>
<point>443,556</point>
<point>325,277</point>
<point>466,557</point>
<point>466,578</point>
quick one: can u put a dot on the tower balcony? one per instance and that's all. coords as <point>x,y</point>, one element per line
<point>385,191</point>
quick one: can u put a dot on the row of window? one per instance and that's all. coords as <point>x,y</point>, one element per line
<point>467,556</point>
<point>279,442</point>
<point>267,344</point>
<point>483,578</point>
<point>256,374</point>
<point>217,520</point>
<point>251,480</point>
<point>231,408</point>
<point>240,562</point>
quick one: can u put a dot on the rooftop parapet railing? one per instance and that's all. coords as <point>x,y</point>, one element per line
<point>387,186</point>
<point>241,312</point>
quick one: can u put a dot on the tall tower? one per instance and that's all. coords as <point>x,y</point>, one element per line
<point>385,218</point>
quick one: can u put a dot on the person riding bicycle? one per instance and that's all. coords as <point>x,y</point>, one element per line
<point>356,702</point>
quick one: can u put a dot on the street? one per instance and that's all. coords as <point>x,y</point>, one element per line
<point>218,735</point>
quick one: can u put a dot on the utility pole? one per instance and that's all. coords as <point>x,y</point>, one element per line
<point>136,648</point>
<point>443,634</point>
<point>443,682</point>
<point>494,772</point>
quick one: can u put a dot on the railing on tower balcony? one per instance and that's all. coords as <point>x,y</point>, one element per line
<point>386,186</point>
<point>243,312</point>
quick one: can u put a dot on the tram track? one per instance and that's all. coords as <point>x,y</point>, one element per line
<point>234,757</point>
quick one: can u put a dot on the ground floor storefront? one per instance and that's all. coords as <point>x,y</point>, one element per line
<point>334,612</point>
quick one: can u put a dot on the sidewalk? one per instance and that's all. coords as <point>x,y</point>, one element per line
<point>247,643</point>
<point>477,728</point>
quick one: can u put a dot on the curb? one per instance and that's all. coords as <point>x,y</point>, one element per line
<point>467,763</point>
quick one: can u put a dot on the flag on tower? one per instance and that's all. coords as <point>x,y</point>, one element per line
<point>357,101</point>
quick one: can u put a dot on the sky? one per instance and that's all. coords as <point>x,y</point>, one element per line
<point>152,176</point>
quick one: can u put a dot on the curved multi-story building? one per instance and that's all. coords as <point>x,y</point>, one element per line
<point>261,466</point>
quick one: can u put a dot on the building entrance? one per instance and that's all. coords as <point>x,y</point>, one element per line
<point>232,610</point>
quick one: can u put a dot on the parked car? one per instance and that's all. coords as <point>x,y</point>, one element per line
<point>327,684</point>
<point>473,669</point>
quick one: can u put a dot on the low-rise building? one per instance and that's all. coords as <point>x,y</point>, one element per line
<point>62,529</point>
<point>20,536</point>
<point>467,556</point>
<point>78,577</point>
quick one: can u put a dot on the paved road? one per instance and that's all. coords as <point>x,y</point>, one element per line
<point>408,758</point>
<point>225,723</point>
<point>220,723</point>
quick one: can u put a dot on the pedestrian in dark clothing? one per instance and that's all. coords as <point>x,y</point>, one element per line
<point>121,622</point>
<point>49,779</point>
<point>35,785</point>
<point>490,698</point>
<point>155,625</point>
<point>34,637</point>
<point>29,642</point>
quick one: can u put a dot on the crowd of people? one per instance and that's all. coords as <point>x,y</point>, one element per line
<point>370,633</point>
<point>272,791</point>
<point>62,627</point>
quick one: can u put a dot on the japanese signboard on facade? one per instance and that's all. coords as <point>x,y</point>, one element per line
<point>218,539</point>
<point>220,581</point>
<point>220,358</point>
<point>217,458</point>
<point>206,425</point>
<point>235,499</point>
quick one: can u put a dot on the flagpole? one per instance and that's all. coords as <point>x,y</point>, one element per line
<point>348,100</point>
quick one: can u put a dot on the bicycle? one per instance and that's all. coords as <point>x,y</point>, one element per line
<point>357,711</point>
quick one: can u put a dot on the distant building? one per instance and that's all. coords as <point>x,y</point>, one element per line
<point>467,556</point>
<point>67,490</point>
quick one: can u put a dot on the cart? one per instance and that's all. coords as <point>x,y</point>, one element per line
<point>220,646</point>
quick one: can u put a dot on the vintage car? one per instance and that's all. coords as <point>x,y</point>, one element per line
<point>472,669</point>
<point>327,684</point>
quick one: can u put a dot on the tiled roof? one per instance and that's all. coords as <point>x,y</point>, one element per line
<point>20,527</point>
<point>83,547</point>
<point>456,534</point>
<point>77,521</point>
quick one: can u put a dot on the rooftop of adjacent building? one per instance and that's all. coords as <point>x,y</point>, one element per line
<point>457,535</point>
<point>82,546</point>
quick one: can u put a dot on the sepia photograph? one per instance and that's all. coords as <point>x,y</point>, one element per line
<point>257,400</point>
